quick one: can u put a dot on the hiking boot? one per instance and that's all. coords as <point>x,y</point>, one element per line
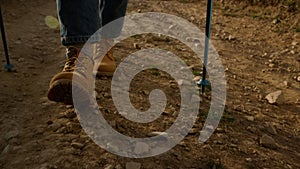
<point>107,66</point>
<point>60,89</point>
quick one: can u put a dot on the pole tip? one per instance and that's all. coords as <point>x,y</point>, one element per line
<point>9,67</point>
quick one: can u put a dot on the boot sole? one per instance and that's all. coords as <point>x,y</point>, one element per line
<point>61,91</point>
<point>107,74</point>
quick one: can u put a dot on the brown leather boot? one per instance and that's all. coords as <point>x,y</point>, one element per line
<point>107,66</point>
<point>60,89</point>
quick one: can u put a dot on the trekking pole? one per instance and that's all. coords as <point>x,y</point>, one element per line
<point>8,65</point>
<point>204,82</point>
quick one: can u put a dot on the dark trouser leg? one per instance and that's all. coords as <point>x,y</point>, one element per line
<point>80,19</point>
<point>112,11</point>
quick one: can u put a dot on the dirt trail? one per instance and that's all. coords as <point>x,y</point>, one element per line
<point>259,47</point>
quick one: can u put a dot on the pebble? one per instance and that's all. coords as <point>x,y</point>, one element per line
<point>118,166</point>
<point>197,78</point>
<point>54,126</point>
<point>155,133</point>
<point>271,65</point>
<point>108,166</point>
<point>248,159</point>
<point>204,135</point>
<point>180,82</point>
<point>286,83</point>
<point>2,144</point>
<point>18,42</point>
<point>272,129</point>
<point>274,97</point>
<point>292,52</point>
<point>249,118</point>
<point>275,21</point>
<point>11,134</point>
<point>77,145</point>
<point>294,43</point>
<point>268,142</point>
<point>133,165</point>
<point>298,79</point>
<point>231,37</point>
<point>193,131</point>
<point>4,152</point>
<point>69,106</point>
<point>70,114</point>
<point>21,60</point>
<point>73,127</point>
<point>141,148</point>
<point>62,130</point>
<point>137,46</point>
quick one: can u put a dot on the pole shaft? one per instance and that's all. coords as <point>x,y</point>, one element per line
<point>4,38</point>
<point>207,34</point>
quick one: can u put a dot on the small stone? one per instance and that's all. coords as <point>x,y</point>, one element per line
<point>292,52</point>
<point>197,78</point>
<point>73,127</point>
<point>271,65</point>
<point>294,43</point>
<point>137,46</point>
<point>249,118</point>
<point>112,123</point>
<point>77,145</point>
<point>286,83</point>
<point>155,133</point>
<point>54,126</point>
<point>180,82</point>
<point>193,131</point>
<point>70,114</point>
<point>2,144</point>
<point>18,42</point>
<point>272,129</point>
<point>268,142</point>
<point>118,166</point>
<point>21,60</point>
<point>248,159</point>
<point>62,130</point>
<point>274,96</point>
<point>204,135</point>
<point>4,152</point>
<point>275,21</point>
<point>133,165</point>
<point>141,148</point>
<point>231,37</point>
<point>108,166</point>
<point>11,134</point>
<point>298,79</point>
<point>49,122</point>
<point>69,106</point>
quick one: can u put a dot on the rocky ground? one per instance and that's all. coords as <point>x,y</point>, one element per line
<point>259,48</point>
